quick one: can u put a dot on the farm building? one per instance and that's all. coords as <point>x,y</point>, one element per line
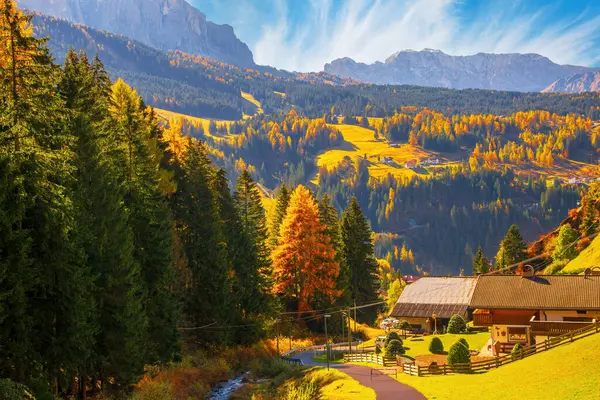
<point>530,309</point>
<point>430,302</point>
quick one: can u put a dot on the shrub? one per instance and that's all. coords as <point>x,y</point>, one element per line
<point>156,391</point>
<point>304,391</point>
<point>10,390</point>
<point>377,349</point>
<point>394,348</point>
<point>271,368</point>
<point>555,267</point>
<point>436,346</point>
<point>458,354</point>
<point>464,342</point>
<point>517,352</point>
<point>457,324</point>
<point>392,336</point>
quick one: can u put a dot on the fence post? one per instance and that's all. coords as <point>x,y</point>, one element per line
<point>418,370</point>
<point>444,369</point>
<point>497,361</point>
<point>571,336</point>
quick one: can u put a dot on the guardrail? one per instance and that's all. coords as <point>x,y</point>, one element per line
<point>319,347</point>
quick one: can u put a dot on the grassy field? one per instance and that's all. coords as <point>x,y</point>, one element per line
<point>588,258</point>
<point>420,345</point>
<point>571,371</point>
<point>257,106</point>
<point>361,142</point>
<point>167,115</point>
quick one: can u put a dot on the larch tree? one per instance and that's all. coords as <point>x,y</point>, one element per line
<point>304,265</point>
<point>566,244</point>
<point>359,260</point>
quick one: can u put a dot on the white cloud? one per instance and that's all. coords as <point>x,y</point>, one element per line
<point>371,30</point>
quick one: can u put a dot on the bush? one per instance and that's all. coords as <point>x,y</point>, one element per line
<point>392,336</point>
<point>517,352</point>
<point>458,354</point>
<point>555,267</point>
<point>157,391</point>
<point>436,346</point>
<point>377,349</point>
<point>457,324</point>
<point>394,348</point>
<point>304,391</point>
<point>271,368</point>
<point>10,390</point>
<point>464,342</point>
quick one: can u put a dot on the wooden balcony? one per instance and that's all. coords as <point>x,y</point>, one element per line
<point>556,328</point>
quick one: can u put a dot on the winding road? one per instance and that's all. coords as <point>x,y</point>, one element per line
<point>384,386</point>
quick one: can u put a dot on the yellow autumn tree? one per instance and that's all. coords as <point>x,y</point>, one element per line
<point>303,261</point>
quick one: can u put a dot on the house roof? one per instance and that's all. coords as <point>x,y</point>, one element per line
<point>443,296</point>
<point>540,292</point>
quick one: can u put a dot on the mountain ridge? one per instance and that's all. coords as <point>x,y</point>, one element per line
<point>528,72</point>
<point>162,24</point>
<point>576,83</point>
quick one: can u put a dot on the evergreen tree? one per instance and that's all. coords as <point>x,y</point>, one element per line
<point>566,246</point>
<point>513,249</point>
<point>283,200</point>
<point>250,293</point>
<point>136,139</point>
<point>46,318</point>
<point>248,203</point>
<point>200,233</point>
<point>359,260</point>
<point>480,263</point>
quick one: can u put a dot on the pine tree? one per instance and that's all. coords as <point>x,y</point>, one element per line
<point>46,318</point>
<point>513,249</point>
<point>137,139</point>
<point>199,229</point>
<point>283,200</point>
<point>303,262</point>
<point>248,203</point>
<point>250,293</point>
<point>480,263</point>
<point>359,260</point>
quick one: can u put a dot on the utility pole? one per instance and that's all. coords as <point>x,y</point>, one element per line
<point>355,315</point>
<point>343,323</point>
<point>349,332</point>
<point>290,333</point>
<point>277,323</point>
<point>327,342</point>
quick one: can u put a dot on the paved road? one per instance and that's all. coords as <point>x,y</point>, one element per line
<point>385,387</point>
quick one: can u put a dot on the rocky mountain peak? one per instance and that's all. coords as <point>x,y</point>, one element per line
<point>162,24</point>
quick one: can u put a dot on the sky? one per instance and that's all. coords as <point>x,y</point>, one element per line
<point>303,35</point>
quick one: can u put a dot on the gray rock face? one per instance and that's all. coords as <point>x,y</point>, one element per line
<point>515,72</point>
<point>163,24</point>
<point>577,83</point>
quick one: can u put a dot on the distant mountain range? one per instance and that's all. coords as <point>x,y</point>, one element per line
<point>577,83</point>
<point>162,24</point>
<point>514,72</point>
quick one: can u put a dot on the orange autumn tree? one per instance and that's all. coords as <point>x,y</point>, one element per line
<point>303,261</point>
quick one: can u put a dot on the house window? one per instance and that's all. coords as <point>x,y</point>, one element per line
<point>579,312</point>
<point>517,334</point>
<point>577,319</point>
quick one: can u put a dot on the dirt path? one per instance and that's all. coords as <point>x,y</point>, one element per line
<point>385,387</point>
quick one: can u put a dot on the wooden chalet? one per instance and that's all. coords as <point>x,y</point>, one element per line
<point>429,296</point>
<point>531,309</point>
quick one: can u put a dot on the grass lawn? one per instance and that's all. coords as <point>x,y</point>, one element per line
<point>360,141</point>
<point>571,371</point>
<point>420,345</point>
<point>321,358</point>
<point>590,257</point>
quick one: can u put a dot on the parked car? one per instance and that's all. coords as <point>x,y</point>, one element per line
<point>389,323</point>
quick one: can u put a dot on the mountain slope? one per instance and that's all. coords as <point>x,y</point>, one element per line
<point>577,83</point>
<point>162,24</point>
<point>515,72</point>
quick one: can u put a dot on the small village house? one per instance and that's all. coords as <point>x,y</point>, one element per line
<point>530,309</point>
<point>411,164</point>
<point>429,296</point>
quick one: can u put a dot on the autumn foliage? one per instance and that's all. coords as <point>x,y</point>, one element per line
<point>303,261</point>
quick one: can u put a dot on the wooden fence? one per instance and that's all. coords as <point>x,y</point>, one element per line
<point>410,368</point>
<point>370,358</point>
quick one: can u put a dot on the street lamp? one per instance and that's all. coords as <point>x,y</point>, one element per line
<point>327,341</point>
<point>435,323</point>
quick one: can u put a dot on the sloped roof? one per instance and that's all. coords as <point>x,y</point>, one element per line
<point>540,292</point>
<point>443,296</point>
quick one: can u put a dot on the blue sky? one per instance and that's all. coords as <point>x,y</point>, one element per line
<point>302,35</point>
